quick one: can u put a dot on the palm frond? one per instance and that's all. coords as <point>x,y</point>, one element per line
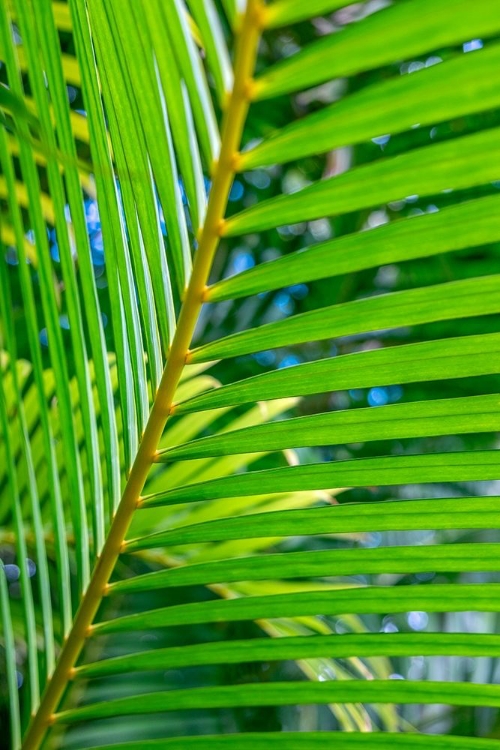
<point>130,476</point>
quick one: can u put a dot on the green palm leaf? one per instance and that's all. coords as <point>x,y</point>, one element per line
<point>143,500</point>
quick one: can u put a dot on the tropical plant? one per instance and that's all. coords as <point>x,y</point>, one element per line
<point>169,528</point>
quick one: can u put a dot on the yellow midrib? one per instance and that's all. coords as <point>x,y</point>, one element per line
<point>232,127</point>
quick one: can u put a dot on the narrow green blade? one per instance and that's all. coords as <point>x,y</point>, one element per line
<point>460,87</point>
<point>455,164</point>
<point>392,515</point>
<point>208,21</point>
<point>409,363</point>
<point>340,601</point>
<point>300,647</point>
<point>188,60</point>
<point>469,224</point>
<point>311,741</point>
<point>10,659</point>
<point>292,693</point>
<point>452,300</point>
<point>454,416</point>
<point>445,558</point>
<point>470,466</point>
<point>406,34</point>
